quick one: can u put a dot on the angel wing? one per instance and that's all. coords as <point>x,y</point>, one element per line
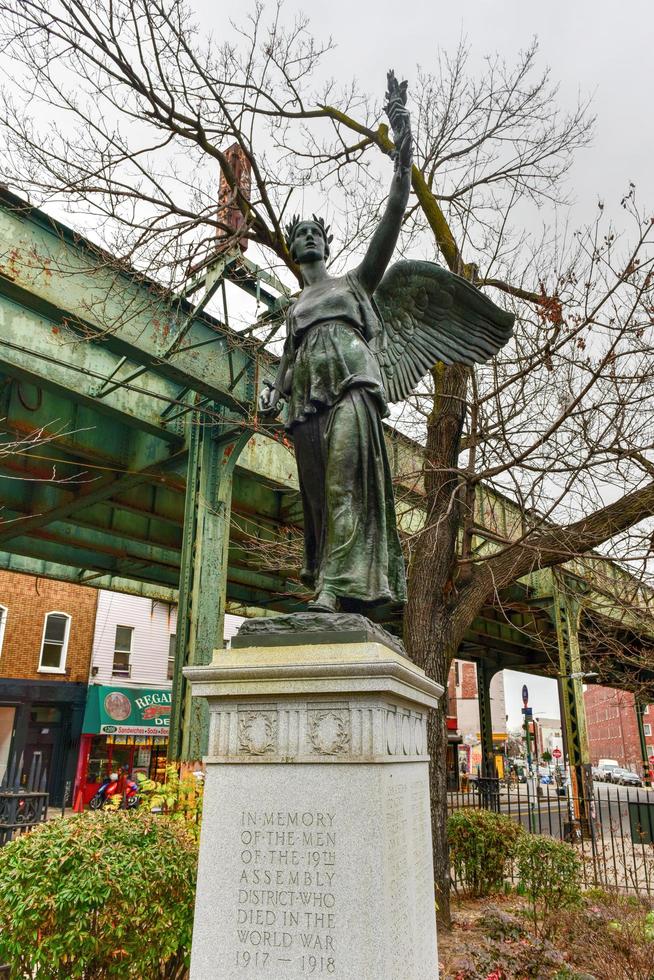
<point>429,314</point>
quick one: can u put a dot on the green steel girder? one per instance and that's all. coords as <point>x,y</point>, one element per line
<point>108,517</point>
<point>37,502</point>
<point>238,269</point>
<point>102,489</point>
<point>203,573</point>
<point>94,561</point>
<point>78,431</point>
<point>42,261</point>
<point>78,534</point>
<point>43,568</point>
<point>247,596</point>
<point>504,635</point>
<point>60,359</point>
<point>269,460</point>
<point>256,499</point>
<point>161,501</point>
<point>262,580</point>
<point>74,536</point>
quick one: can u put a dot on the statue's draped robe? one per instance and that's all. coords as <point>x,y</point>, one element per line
<point>336,401</point>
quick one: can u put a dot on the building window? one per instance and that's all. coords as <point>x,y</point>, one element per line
<point>122,651</point>
<point>646,711</point>
<point>3,620</point>
<point>647,729</point>
<point>457,675</point>
<point>171,656</point>
<point>54,644</point>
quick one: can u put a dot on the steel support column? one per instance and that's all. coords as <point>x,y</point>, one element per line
<point>485,675</point>
<point>203,574</point>
<point>567,613</point>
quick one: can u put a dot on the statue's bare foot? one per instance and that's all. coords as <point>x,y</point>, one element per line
<point>324,602</point>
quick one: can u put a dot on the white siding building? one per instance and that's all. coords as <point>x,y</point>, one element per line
<point>134,640</point>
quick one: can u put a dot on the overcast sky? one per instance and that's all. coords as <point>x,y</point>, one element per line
<point>595,47</point>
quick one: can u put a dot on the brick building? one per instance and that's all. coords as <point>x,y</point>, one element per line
<point>613,727</point>
<point>46,638</point>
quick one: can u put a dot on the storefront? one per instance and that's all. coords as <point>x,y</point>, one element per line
<point>40,722</point>
<point>122,727</point>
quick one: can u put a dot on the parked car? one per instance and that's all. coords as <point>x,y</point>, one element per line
<point>597,774</point>
<point>607,767</point>
<point>624,777</point>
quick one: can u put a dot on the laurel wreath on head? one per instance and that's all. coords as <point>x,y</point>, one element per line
<point>296,220</point>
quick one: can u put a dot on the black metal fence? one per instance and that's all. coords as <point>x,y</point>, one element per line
<point>612,829</point>
<point>22,804</point>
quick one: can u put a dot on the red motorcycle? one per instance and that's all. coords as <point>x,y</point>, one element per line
<point>111,787</point>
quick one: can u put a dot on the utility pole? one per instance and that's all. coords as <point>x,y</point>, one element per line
<point>528,713</point>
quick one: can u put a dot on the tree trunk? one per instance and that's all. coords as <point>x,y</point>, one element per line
<point>436,664</point>
<point>432,591</point>
<point>437,747</point>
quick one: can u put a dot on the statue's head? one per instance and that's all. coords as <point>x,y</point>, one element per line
<point>308,241</point>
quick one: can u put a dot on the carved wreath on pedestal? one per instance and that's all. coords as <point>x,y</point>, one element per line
<point>329,733</point>
<point>257,733</point>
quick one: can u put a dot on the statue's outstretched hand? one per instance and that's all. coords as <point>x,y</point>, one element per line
<point>398,116</point>
<point>269,399</point>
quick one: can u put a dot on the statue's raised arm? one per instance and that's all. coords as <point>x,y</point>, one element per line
<point>384,240</point>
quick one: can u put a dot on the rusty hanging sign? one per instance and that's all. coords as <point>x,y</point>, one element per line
<point>229,214</point>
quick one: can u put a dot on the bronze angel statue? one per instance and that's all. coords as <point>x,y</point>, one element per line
<point>355,343</point>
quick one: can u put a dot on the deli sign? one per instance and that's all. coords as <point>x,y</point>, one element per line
<point>133,711</point>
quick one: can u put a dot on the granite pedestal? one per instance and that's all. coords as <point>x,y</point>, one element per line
<point>315,853</point>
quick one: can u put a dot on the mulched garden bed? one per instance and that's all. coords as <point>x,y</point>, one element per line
<point>608,937</point>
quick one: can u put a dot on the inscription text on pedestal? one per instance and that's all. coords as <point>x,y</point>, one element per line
<point>286,908</point>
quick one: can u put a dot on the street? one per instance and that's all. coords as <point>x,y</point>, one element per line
<point>546,812</point>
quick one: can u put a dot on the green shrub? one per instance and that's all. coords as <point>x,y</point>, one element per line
<point>550,876</point>
<point>100,895</point>
<point>481,844</point>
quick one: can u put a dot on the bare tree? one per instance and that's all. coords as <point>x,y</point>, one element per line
<point>142,109</point>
